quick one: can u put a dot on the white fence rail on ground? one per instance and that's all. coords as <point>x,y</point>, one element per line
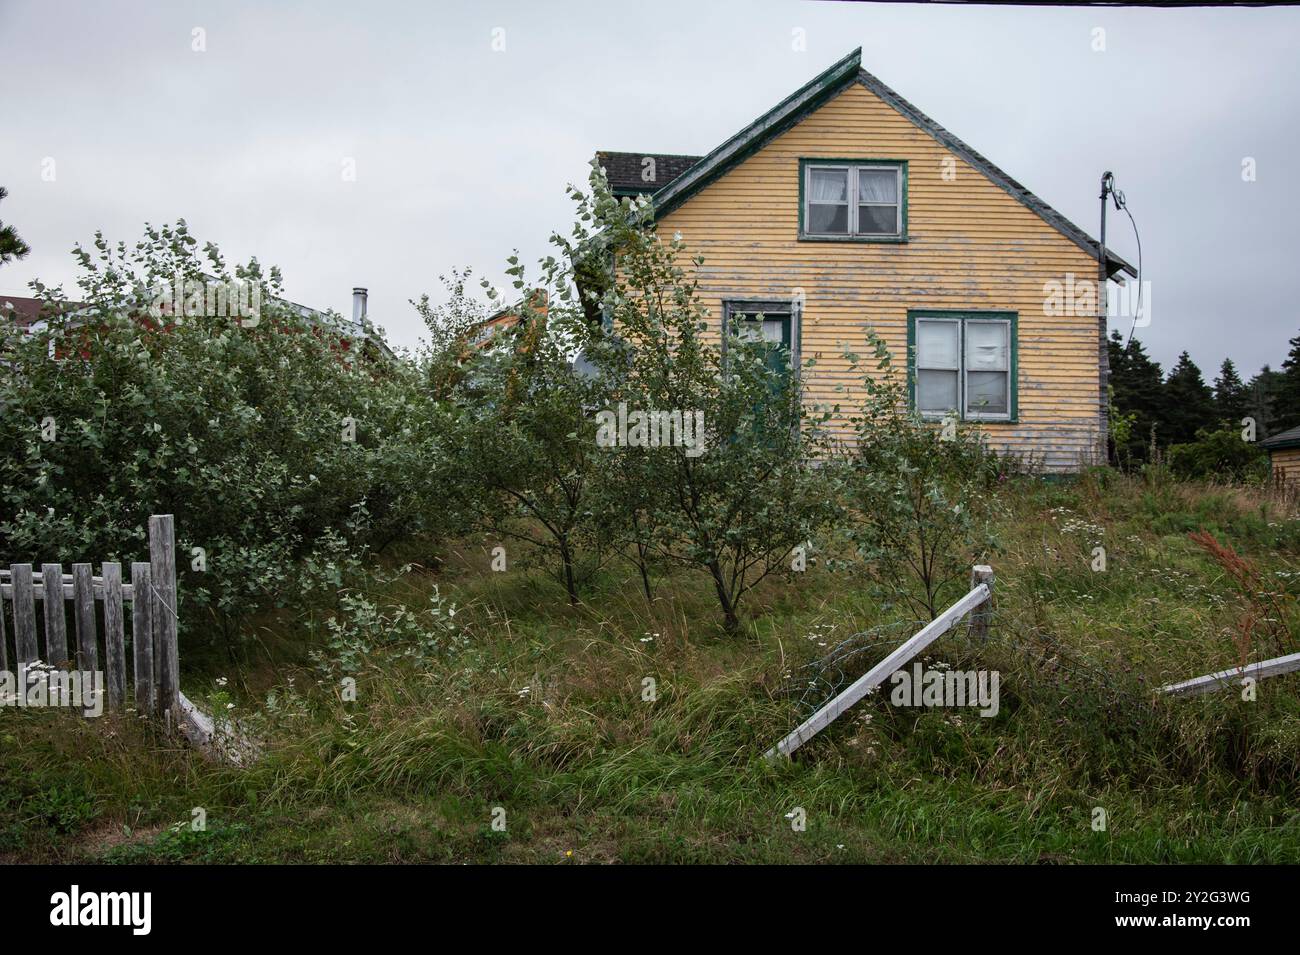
<point>976,602</point>
<point>1225,678</point>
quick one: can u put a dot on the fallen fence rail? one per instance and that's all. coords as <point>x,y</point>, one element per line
<point>1225,678</point>
<point>976,602</point>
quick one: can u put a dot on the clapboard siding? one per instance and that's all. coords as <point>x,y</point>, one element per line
<point>1286,465</point>
<point>970,246</point>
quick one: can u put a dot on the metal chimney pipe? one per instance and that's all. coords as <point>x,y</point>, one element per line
<point>358,305</point>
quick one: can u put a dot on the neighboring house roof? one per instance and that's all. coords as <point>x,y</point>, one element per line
<point>1287,439</point>
<point>25,312</point>
<point>817,92</point>
<point>627,172</point>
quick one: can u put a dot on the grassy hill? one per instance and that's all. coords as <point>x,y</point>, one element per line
<point>531,706</point>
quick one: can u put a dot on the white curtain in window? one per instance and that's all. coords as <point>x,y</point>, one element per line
<point>829,185</point>
<point>877,185</point>
<point>987,347</point>
<point>937,344</point>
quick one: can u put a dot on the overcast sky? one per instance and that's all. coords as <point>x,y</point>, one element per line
<point>462,152</point>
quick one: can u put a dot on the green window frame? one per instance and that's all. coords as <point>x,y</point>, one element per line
<point>973,371</point>
<point>855,201</point>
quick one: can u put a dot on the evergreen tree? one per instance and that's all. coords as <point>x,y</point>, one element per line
<point>1137,388</point>
<point>1287,409</point>
<point>1189,403</point>
<point>11,244</point>
<point>1261,400</point>
<point>1230,397</point>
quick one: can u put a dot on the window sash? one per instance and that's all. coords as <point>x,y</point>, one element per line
<point>987,365</point>
<point>846,181</point>
<point>855,202</point>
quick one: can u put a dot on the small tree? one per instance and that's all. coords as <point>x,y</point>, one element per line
<point>521,436</point>
<point>738,498</point>
<point>919,495</point>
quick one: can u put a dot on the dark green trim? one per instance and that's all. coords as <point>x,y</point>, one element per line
<point>967,315</point>
<point>772,306</point>
<point>898,239</point>
<point>781,117</point>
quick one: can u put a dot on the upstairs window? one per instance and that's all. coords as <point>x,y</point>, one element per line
<point>965,363</point>
<point>859,200</point>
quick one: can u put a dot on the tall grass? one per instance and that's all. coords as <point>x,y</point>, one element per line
<point>541,710</point>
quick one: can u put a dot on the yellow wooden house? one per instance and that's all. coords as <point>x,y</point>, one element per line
<point>845,209</point>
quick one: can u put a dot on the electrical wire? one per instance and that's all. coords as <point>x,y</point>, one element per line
<point>1122,203</point>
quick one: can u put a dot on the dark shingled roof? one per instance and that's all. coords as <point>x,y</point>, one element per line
<point>626,171</point>
<point>1287,439</point>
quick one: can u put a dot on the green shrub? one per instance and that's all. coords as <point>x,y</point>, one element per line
<point>237,427</point>
<point>1220,454</point>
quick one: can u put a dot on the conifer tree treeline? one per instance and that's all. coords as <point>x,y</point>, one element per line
<point>1171,409</point>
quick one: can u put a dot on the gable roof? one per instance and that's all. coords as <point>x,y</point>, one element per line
<point>1286,439</point>
<point>817,92</point>
<point>626,171</point>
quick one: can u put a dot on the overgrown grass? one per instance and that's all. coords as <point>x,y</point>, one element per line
<point>542,713</point>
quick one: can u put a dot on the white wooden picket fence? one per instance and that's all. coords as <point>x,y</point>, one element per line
<point>151,593</point>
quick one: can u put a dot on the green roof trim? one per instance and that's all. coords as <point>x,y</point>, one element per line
<point>760,132</point>
<point>816,93</point>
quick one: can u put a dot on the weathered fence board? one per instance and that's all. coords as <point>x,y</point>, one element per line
<point>25,649</point>
<point>1225,678</point>
<point>114,635</point>
<point>142,639</point>
<point>932,631</point>
<point>84,615</point>
<point>56,627</point>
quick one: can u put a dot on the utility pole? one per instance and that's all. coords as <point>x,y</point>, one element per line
<point>1103,353</point>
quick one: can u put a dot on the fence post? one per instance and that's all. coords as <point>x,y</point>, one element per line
<point>56,627</point>
<point>980,616</point>
<point>162,571</point>
<point>4,650</point>
<point>142,637</point>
